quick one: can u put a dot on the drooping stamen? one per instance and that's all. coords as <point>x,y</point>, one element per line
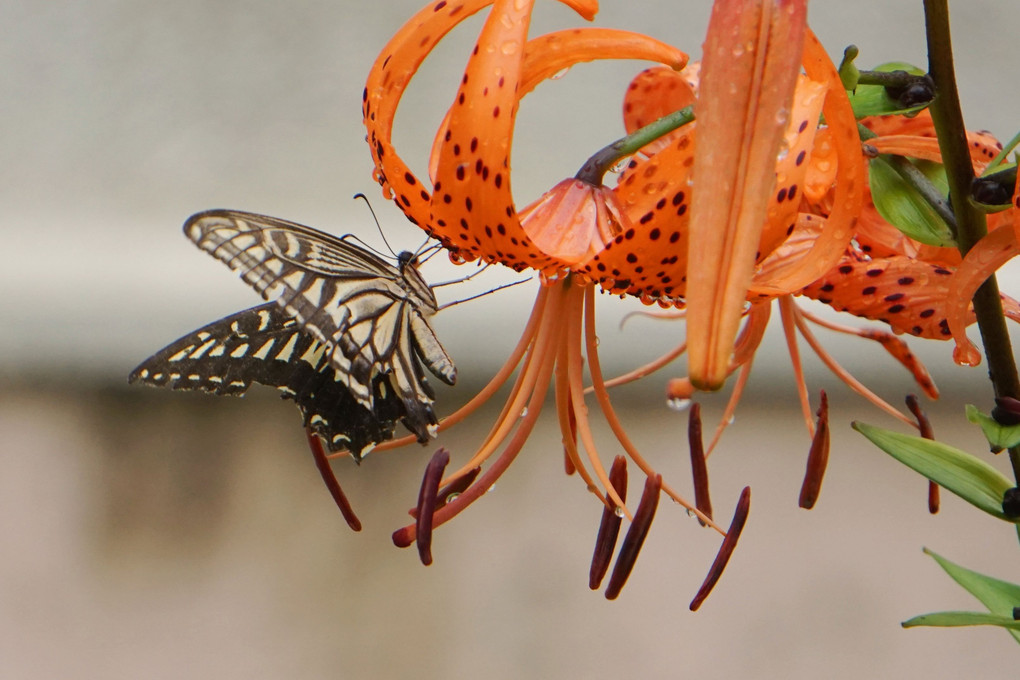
<point>635,537</point>
<point>818,458</point>
<point>613,420</point>
<point>525,403</point>
<point>699,469</point>
<point>924,425</point>
<point>726,549</point>
<point>322,463</point>
<point>574,367</point>
<point>841,373</point>
<point>609,527</point>
<point>896,347</point>
<point>787,312</point>
<point>427,498</point>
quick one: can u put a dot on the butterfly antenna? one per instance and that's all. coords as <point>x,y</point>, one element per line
<point>473,297</point>
<point>377,225</point>
<point>468,278</point>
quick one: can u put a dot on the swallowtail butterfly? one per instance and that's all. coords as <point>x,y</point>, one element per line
<point>344,334</point>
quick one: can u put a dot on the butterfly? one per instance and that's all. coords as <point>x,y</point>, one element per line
<point>344,334</point>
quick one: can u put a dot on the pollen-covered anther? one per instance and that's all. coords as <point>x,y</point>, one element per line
<point>609,527</point>
<point>635,537</point>
<point>726,549</point>
<point>427,500</point>
<point>332,483</point>
<point>818,458</point>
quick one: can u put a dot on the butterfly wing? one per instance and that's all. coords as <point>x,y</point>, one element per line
<point>264,345</point>
<point>370,318</point>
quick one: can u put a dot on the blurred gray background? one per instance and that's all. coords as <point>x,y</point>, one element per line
<point>163,535</point>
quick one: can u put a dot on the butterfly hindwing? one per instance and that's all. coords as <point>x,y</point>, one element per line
<point>263,345</point>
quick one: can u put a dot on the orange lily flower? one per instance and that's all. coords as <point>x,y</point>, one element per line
<point>574,236</point>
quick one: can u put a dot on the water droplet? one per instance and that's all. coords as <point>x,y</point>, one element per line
<point>678,404</point>
<point>524,412</point>
<point>620,165</point>
<point>783,116</point>
<point>618,511</point>
<point>559,74</point>
<point>729,421</point>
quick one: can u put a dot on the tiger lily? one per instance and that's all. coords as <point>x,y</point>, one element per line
<point>575,235</point>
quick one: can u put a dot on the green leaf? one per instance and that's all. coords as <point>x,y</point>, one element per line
<point>872,100</point>
<point>999,436</point>
<point>953,619</point>
<point>969,477</point>
<point>999,596</point>
<point>903,207</point>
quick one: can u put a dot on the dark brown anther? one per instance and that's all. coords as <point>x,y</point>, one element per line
<point>635,537</point>
<point>1011,503</point>
<point>1006,411</point>
<point>925,430</point>
<point>326,470</point>
<point>726,549</point>
<point>609,528</point>
<point>818,458</point>
<point>456,487</point>
<point>427,497</point>
<point>699,468</point>
<point>451,490</point>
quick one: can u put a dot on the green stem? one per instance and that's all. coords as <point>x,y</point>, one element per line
<point>947,116</point>
<point>600,163</point>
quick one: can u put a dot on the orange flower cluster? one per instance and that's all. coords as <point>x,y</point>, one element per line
<point>754,201</point>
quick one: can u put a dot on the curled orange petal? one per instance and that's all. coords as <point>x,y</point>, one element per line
<point>981,261</point>
<point>851,180</point>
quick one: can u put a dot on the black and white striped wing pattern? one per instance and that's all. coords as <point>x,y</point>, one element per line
<point>371,316</point>
<point>263,345</point>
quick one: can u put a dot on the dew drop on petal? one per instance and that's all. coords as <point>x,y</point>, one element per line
<point>524,412</point>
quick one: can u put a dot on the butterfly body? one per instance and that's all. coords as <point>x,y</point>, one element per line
<point>344,333</point>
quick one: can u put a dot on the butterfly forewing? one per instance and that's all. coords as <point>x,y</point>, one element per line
<point>263,345</point>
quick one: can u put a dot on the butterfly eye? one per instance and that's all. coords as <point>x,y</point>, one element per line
<point>406,257</point>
